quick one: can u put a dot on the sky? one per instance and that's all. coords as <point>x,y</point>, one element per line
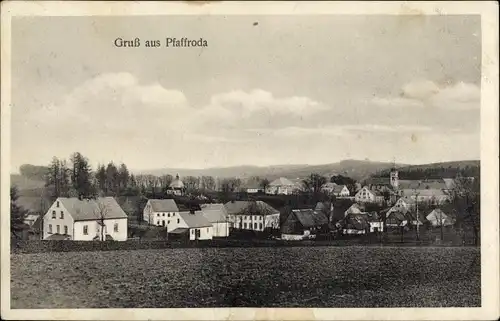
<point>266,90</point>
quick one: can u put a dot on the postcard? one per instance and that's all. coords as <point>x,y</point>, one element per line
<point>249,160</point>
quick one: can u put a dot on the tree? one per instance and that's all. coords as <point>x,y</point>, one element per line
<point>165,181</point>
<point>344,180</point>
<point>208,183</point>
<point>100,176</point>
<point>123,178</point>
<point>17,213</point>
<point>57,178</point>
<point>264,184</point>
<point>112,179</point>
<point>466,204</point>
<point>192,183</point>
<point>100,212</point>
<point>314,183</point>
<point>81,175</point>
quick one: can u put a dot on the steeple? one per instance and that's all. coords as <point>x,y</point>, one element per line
<point>394,175</point>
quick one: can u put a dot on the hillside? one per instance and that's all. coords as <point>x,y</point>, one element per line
<point>436,170</point>
<point>356,169</point>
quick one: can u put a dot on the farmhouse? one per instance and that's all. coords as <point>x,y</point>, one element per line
<point>252,215</point>
<point>282,186</point>
<point>334,189</point>
<point>365,195</point>
<point>438,218</point>
<point>431,195</point>
<point>85,220</point>
<point>303,224</point>
<point>192,226</point>
<point>354,224</point>
<point>396,219</point>
<point>218,216</point>
<point>161,212</point>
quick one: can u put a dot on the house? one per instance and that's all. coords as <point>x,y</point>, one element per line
<point>403,204</point>
<point>354,224</point>
<point>218,216</point>
<point>192,226</point>
<point>438,218</point>
<point>252,215</point>
<point>176,187</point>
<point>354,209</point>
<point>365,195</point>
<point>415,218</point>
<point>35,208</point>
<point>430,196</point>
<point>161,212</point>
<point>328,188</point>
<point>327,209</point>
<point>85,220</point>
<point>396,219</point>
<point>376,224</point>
<point>303,224</point>
<point>334,189</point>
<point>282,186</point>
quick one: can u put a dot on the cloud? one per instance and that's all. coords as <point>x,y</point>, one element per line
<point>340,131</point>
<point>418,94</point>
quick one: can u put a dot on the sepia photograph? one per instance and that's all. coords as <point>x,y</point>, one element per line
<point>250,160</point>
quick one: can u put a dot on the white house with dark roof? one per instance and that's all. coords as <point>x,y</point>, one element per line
<point>365,195</point>
<point>194,226</point>
<point>252,215</point>
<point>282,186</point>
<point>162,212</point>
<point>218,216</point>
<point>85,220</point>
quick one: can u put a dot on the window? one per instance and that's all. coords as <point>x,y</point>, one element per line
<point>62,214</point>
<point>168,215</point>
<point>178,221</point>
<point>65,229</point>
<point>255,225</point>
<point>50,228</point>
<point>261,226</point>
<point>168,222</point>
<point>116,227</point>
<point>85,230</point>
<point>207,230</point>
<point>158,214</point>
<point>163,214</point>
<point>192,231</point>
<point>173,214</point>
<point>53,214</point>
<point>58,229</point>
<point>158,223</point>
<point>57,204</point>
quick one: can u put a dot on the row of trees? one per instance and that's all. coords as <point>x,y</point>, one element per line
<point>434,172</point>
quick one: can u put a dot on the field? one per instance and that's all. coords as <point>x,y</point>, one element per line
<point>249,277</point>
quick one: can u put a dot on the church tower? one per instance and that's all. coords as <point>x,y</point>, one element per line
<point>394,176</point>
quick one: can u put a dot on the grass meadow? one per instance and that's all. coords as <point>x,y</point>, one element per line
<point>353,276</point>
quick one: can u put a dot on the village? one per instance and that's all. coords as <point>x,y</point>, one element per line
<point>283,209</point>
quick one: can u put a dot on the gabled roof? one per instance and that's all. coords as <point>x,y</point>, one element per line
<point>378,181</point>
<point>214,212</point>
<point>338,188</point>
<point>329,185</point>
<point>438,215</point>
<point>249,208</point>
<point>320,206</point>
<point>310,218</point>
<point>356,221</point>
<point>282,181</point>
<point>164,205</point>
<point>179,230</point>
<point>90,209</point>
<point>195,220</point>
<point>423,192</point>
